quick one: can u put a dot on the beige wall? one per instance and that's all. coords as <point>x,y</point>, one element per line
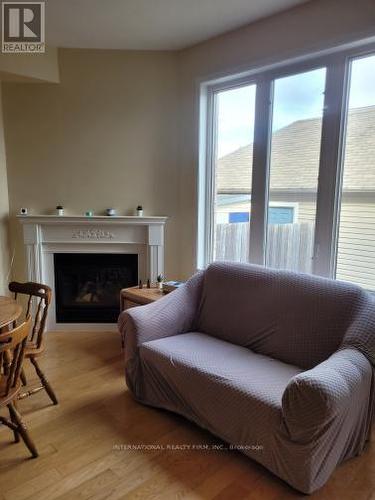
<point>4,212</point>
<point>106,136</point>
<point>313,26</point>
<point>18,67</point>
<point>30,67</point>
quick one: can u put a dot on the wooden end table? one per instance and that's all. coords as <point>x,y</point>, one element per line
<point>135,296</point>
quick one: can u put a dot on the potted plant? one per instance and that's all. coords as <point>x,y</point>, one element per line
<point>159,280</point>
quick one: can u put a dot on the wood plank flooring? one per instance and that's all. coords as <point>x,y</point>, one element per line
<point>85,442</point>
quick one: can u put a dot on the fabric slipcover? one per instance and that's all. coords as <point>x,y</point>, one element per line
<point>278,364</point>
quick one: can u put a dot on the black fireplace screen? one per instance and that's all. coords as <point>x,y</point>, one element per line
<point>87,286</point>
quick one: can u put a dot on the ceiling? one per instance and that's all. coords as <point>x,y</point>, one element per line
<point>150,24</point>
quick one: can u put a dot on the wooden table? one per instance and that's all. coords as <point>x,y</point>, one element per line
<point>135,296</point>
<point>9,311</point>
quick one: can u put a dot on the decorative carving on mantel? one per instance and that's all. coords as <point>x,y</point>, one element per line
<point>92,234</point>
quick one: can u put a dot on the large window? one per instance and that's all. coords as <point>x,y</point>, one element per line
<point>234,130</point>
<point>287,170</point>
<point>294,167</point>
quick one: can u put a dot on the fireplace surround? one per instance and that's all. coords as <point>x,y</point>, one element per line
<point>47,236</point>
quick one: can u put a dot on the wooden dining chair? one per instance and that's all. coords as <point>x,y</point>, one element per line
<point>39,299</point>
<point>12,352</point>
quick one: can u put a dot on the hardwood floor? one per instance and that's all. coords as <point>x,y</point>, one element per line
<point>84,442</point>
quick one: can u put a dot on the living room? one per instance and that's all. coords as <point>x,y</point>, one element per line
<point>223,149</point>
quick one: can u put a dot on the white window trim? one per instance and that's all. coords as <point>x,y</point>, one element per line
<point>337,62</point>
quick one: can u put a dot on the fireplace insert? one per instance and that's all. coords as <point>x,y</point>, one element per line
<point>87,285</point>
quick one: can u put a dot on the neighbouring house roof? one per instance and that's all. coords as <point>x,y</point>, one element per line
<point>295,157</point>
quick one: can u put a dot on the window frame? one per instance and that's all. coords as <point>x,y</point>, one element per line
<point>337,62</point>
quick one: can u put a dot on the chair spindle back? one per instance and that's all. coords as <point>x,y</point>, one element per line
<point>12,348</point>
<point>41,295</point>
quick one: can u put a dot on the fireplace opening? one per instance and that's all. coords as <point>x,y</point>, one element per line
<point>87,285</point>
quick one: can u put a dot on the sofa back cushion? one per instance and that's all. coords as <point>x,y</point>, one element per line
<point>296,318</point>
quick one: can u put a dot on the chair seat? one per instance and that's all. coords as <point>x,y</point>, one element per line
<point>208,377</point>
<point>6,399</point>
<point>32,350</point>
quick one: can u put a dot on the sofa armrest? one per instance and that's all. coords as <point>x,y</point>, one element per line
<point>361,333</point>
<point>173,314</point>
<point>315,397</point>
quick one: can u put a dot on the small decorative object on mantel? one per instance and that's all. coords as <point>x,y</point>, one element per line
<point>140,211</point>
<point>111,212</point>
<point>148,283</point>
<point>159,280</point>
<point>23,211</point>
<point>60,210</point>
<point>140,284</point>
<point>89,213</point>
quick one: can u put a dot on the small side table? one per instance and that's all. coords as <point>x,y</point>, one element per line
<point>135,296</point>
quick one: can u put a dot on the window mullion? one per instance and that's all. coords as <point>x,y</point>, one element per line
<point>206,178</point>
<point>330,169</point>
<point>260,173</point>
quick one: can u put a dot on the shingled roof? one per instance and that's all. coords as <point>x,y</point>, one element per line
<point>295,157</point>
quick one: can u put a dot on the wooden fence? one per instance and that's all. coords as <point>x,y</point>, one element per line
<point>289,246</point>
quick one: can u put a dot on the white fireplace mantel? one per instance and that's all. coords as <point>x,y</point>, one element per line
<point>45,235</point>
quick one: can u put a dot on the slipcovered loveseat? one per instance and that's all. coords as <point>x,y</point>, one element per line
<point>277,363</point>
